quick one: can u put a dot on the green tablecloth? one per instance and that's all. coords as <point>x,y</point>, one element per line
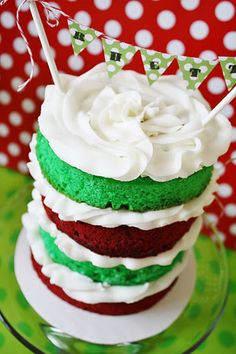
<point>221,341</point>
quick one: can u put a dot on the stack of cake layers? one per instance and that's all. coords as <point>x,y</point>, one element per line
<point>122,174</point>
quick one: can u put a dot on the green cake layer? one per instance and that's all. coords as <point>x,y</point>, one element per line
<point>119,275</point>
<point>140,194</point>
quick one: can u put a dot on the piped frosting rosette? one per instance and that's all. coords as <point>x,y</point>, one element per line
<point>123,172</point>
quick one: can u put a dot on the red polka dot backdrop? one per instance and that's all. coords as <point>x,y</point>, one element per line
<point>195,28</point>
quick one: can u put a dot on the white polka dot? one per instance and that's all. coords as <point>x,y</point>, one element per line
<point>115,50</point>
<point>187,66</point>
<point>25,7</point>
<point>79,42</point>
<point>7,19</point>
<point>203,68</point>
<point>83,17</point>
<point>112,28</point>
<point>15,82</point>
<point>40,91</point>
<point>134,10</point>
<point>228,111</point>
<point>102,4</point>
<point>6,61</point>
<point>95,47</point>
<point>3,159</point>
<point>4,130</point>
<point>75,63</point>
<point>216,85</point>
<point>225,190</point>
<point>190,4</point>
<point>121,62</point>
<point>230,40</point>
<point>19,45</point>
<point>230,210</point>
<point>129,55</point>
<point>13,149</point>
<point>208,54</point>
<point>166,19</point>
<point>233,140</point>
<point>212,218</point>
<point>109,41</point>
<point>199,30</point>
<point>152,76</point>
<point>232,229</point>
<point>15,118</point>
<point>88,37</point>
<point>22,167</point>
<point>5,97</point>
<point>161,70</point>
<point>124,45</point>
<point>111,68</point>
<point>143,38</point>
<point>233,157</point>
<point>24,137</point>
<point>32,29</point>
<point>28,67</point>
<point>219,166</point>
<point>28,105</point>
<point>166,56</point>
<point>224,11</point>
<point>175,46</point>
<point>64,37</point>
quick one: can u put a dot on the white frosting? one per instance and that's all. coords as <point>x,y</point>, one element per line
<point>69,210</point>
<point>82,254</point>
<point>82,288</point>
<point>123,128</point>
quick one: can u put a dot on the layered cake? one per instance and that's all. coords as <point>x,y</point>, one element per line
<point>122,171</point>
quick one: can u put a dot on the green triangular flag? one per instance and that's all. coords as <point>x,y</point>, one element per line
<point>228,66</point>
<point>155,63</point>
<point>81,36</point>
<point>195,70</point>
<point>117,54</point>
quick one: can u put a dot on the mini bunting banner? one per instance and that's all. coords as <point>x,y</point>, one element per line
<point>228,66</point>
<point>117,54</point>
<point>195,70</point>
<point>155,63</point>
<point>81,36</point>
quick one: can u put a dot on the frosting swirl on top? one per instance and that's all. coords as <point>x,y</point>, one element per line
<point>122,128</point>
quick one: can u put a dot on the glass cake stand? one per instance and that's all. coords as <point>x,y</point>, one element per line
<point>183,336</point>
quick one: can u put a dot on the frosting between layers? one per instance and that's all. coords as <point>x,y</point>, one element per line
<point>118,275</point>
<point>82,288</point>
<point>80,253</point>
<point>69,210</point>
<point>123,128</point>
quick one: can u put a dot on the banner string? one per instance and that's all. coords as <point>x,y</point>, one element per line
<point>52,20</point>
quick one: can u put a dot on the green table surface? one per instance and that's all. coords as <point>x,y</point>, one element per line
<point>221,341</point>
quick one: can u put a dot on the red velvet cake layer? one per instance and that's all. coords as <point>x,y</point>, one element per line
<point>113,309</point>
<point>122,241</point>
